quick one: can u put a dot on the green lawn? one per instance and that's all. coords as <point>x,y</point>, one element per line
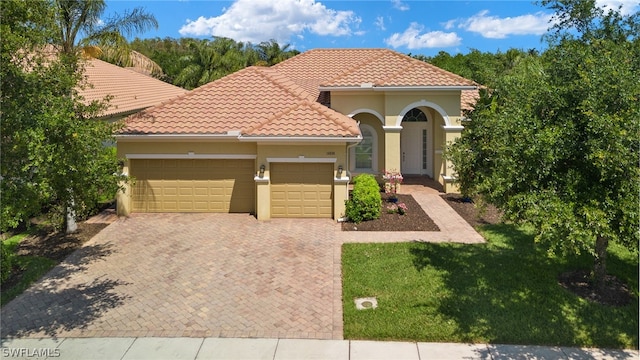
<point>505,291</point>
<point>34,266</point>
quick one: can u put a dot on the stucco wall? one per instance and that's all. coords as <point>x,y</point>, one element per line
<point>442,107</point>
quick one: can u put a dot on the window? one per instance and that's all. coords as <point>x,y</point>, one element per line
<point>414,115</point>
<point>364,154</point>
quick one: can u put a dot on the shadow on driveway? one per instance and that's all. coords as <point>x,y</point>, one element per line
<point>55,304</point>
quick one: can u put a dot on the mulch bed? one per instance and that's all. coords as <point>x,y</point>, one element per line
<point>56,245</point>
<point>471,213</point>
<point>579,282</point>
<point>414,220</point>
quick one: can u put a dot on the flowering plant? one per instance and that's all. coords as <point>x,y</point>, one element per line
<point>392,180</point>
<point>392,208</point>
<point>402,208</point>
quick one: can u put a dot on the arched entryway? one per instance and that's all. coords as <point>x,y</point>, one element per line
<point>416,143</point>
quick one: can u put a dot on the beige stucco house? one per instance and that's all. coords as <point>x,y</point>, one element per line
<point>284,141</point>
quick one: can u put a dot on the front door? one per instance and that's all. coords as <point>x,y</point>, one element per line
<point>415,142</point>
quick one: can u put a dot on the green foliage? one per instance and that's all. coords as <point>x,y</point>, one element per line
<point>366,201</point>
<point>52,151</point>
<point>481,67</point>
<point>190,63</point>
<point>555,143</point>
<point>75,18</point>
<point>31,268</point>
<point>6,261</point>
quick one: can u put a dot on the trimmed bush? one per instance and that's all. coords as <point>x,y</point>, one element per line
<point>365,202</point>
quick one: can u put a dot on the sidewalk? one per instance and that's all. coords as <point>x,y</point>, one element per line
<point>283,349</point>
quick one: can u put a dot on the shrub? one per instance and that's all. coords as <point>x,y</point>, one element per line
<point>6,261</point>
<point>366,202</point>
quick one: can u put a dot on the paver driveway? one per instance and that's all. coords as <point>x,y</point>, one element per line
<point>220,275</point>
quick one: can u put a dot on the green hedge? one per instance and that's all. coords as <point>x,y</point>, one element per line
<point>365,202</point>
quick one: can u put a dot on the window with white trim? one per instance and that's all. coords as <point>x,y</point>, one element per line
<point>364,155</point>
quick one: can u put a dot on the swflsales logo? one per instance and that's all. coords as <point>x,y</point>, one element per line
<point>30,352</point>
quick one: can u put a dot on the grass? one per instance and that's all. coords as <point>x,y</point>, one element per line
<point>34,267</point>
<point>505,291</point>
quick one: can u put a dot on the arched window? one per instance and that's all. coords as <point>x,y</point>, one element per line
<point>414,115</point>
<point>364,154</point>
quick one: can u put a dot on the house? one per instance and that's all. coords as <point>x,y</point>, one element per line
<point>283,141</point>
<point>129,91</point>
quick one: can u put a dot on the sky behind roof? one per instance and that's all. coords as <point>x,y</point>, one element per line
<point>417,27</point>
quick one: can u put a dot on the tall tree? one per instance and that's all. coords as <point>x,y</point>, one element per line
<point>75,18</point>
<point>81,28</point>
<point>555,144</point>
<point>52,153</point>
<point>211,60</point>
<point>271,53</point>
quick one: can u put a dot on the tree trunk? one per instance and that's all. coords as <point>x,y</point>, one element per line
<point>72,226</point>
<point>600,265</point>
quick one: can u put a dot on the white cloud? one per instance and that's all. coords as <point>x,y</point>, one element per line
<point>494,27</point>
<point>413,39</point>
<point>262,20</point>
<point>379,23</point>
<point>398,4</point>
<point>626,7</point>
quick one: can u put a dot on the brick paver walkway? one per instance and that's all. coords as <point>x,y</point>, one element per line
<point>207,275</point>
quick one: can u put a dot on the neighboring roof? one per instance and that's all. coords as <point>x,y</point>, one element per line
<point>129,90</point>
<point>255,101</point>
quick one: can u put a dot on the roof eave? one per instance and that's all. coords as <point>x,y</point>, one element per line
<point>314,139</point>
<point>153,137</point>
<point>400,88</point>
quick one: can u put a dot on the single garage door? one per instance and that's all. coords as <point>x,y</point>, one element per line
<point>301,190</point>
<point>193,185</point>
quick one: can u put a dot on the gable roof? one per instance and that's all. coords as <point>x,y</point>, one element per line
<point>253,102</point>
<point>129,90</point>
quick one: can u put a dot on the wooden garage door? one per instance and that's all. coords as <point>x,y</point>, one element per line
<point>183,185</point>
<point>301,190</point>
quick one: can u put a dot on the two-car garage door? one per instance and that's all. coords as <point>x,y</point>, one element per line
<point>193,185</point>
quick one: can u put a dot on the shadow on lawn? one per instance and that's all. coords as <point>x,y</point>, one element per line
<point>507,292</point>
<point>59,302</point>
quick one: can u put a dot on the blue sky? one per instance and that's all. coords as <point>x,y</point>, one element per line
<point>417,27</point>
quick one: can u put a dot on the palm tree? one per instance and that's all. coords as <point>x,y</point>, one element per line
<point>77,18</point>
<point>271,53</point>
<point>211,60</point>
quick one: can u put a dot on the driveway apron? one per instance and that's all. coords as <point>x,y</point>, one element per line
<point>195,275</point>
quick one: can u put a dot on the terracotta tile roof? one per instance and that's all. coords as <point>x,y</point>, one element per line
<point>353,67</point>
<point>285,99</point>
<point>130,90</point>
<point>256,101</point>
